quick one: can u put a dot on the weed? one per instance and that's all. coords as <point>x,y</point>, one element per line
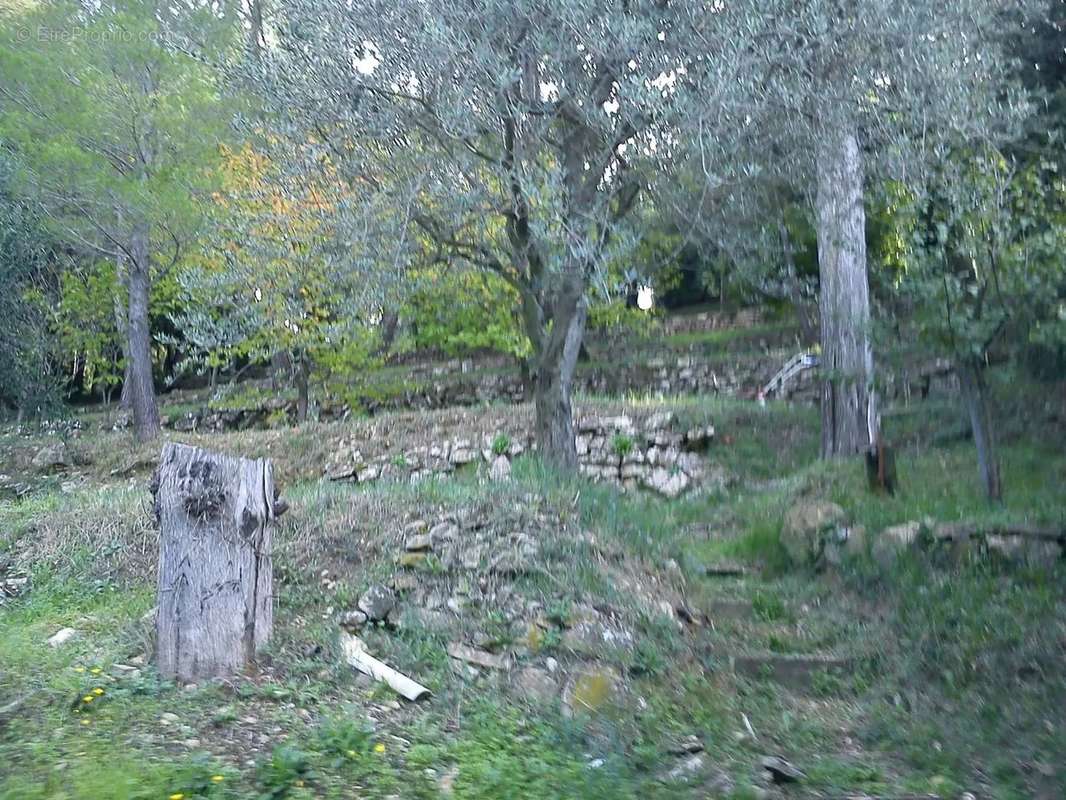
<point>286,769</point>
<point>621,444</point>
<point>501,444</point>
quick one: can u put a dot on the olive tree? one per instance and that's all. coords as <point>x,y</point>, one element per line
<point>857,91</point>
<point>513,137</point>
<point>985,274</point>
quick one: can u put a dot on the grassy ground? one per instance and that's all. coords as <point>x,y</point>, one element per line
<point>954,677</point>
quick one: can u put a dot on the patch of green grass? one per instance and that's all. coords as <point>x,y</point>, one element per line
<point>504,754</point>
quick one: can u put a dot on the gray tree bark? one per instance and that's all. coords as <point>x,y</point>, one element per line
<point>975,395</point>
<point>849,410</point>
<point>303,391</point>
<point>139,341</point>
<point>215,594</point>
<point>554,376</point>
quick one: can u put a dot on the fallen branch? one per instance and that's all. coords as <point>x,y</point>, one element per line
<point>356,655</point>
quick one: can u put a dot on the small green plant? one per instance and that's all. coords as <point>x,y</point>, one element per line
<point>345,740</point>
<point>285,770</point>
<point>768,607</point>
<point>201,778</point>
<point>559,612</point>
<point>647,659</point>
<point>621,445</point>
<point>501,444</point>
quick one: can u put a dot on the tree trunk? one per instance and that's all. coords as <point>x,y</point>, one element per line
<point>390,322</point>
<point>139,342</point>
<point>122,326</point>
<point>215,592</point>
<point>849,410</point>
<point>975,394</point>
<point>554,377</point>
<point>525,373</point>
<point>302,388</point>
<point>804,313</point>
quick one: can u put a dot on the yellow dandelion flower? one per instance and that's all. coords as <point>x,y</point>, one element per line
<point>87,699</point>
<point>98,691</point>
<point>351,754</point>
<point>379,748</point>
<point>86,721</point>
<point>177,796</point>
<point>79,669</point>
<point>218,778</point>
<point>96,670</point>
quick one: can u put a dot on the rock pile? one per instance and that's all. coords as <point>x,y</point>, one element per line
<point>463,586</point>
<point>815,531</point>
<point>654,453</point>
<point>650,456</point>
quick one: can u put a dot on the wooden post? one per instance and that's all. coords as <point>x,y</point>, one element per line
<point>216,583</point>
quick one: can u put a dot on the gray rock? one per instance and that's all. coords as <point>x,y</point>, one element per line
<point>592,638</point>
<point>125,671</point>
<point>500,469</point>
<point>667,482</point>
<point>688,769</point>
<point>369,473</point>
<point>377,602</point>
<point>353,620</point>
<point>844,543</point>
<point>591,689</point>
<point>893,541</point>
<point>444,531</point>
<point>51,457</point>
<point>480,658</point>
<point>807,525</point>
<point>462,452</point>
<point>61,637</point>
<point>536,684</point>
<point>418,541</point>
<point>780,770</point>
<point>1024,550</point>
<point>686,745</point>
<point>659,420</point>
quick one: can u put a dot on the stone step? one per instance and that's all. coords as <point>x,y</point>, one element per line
<point>728,608</point>
<point>795,672</point>
<point>725,569</point>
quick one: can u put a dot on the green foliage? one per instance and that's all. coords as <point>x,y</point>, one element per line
<point>506,756</point>
<point>984,268</point>
<point>268,281</point>
<point>616,317</point>
<point>286,770</point>
<point>459,311</point>
<point>28,261</point>
<point>501,444</point>
<point>85,326</point>
<point>345,740</point>
<point>621,445</point>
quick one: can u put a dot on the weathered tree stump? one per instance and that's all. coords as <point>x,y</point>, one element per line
<point>216,584</point>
